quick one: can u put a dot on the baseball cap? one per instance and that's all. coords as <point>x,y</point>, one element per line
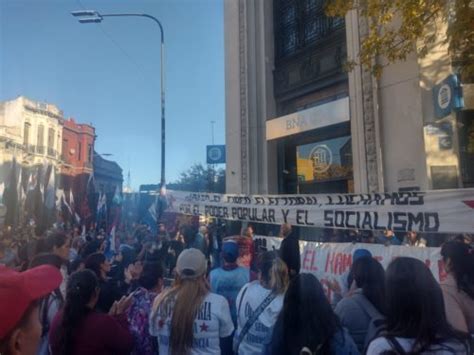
<point>360,253</point>
<point>230,251</point>
<point>19,289</point>
<point>191,264</point>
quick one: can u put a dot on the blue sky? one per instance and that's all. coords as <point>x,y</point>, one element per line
<point>108,74</point>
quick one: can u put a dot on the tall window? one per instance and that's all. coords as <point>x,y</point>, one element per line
<point>89,153</point>
<point>51,138</point>
<point>26,134</point>
<point>79,151</point>
<point>301,23</point>
<point>40,140</point>
<point>65,150</point>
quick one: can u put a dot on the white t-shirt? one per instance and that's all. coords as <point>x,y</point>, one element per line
<point>212,322</point>
<point>379,345</point>
<point>254,341</point>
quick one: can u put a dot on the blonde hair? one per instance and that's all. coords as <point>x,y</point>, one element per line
<point>273,272</point>
<point>184,300</point>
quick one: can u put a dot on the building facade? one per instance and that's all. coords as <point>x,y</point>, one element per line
<point>107,175</point>
<point>297,122</point>
<point>30,133</point>
<point>35,141</point>
<point>77,156</point>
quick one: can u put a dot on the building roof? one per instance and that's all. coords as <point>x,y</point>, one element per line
<point>106,168</point>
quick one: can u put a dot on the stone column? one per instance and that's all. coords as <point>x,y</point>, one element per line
<point>366,146</point>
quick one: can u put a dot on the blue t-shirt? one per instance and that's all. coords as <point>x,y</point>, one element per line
<point>391,241</point>
<point>228,283</point>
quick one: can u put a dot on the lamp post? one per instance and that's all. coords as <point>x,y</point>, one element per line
<point>92,16</point>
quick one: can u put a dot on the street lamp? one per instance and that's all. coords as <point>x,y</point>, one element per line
<point>92,16</point>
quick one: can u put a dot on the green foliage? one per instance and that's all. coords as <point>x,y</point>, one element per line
<point>199,178</point>
<point>398,27</point>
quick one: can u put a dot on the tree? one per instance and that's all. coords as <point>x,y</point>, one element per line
<point>397,27</point>
<point>200,179</point>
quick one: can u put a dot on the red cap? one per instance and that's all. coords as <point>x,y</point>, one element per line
<point>19,289</point>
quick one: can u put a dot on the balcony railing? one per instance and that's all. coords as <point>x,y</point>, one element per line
<point>30,148</point>
<point>51,152</point>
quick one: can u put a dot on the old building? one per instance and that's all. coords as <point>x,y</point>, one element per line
<point>77,156</point>
<point>297,122</point>
<point>30,133</point>
<point>287,99</point>
<point>107,175</point>
<point>30,146</point>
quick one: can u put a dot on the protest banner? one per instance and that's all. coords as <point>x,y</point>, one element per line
<point>444,211</point>
<point>331,262</point>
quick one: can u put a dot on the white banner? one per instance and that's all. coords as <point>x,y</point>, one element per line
<point>330,262</point>
<point>447,211</point>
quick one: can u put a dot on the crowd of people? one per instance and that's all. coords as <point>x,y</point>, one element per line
<point>187,292</point>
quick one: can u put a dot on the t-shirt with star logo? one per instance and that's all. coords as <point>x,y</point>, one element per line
<point>213,321</point>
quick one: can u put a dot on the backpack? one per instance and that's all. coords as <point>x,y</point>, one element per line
<point>396,346</point>
<point>377,320</point>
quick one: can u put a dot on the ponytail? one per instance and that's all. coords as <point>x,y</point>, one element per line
<point>80,289</point>
<point>183,300</point>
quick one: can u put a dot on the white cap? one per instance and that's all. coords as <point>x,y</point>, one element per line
<point>191,264</point>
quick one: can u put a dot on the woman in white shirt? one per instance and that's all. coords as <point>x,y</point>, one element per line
<point>188,318</point>
<point>416,321</point>
<point>259,304</point>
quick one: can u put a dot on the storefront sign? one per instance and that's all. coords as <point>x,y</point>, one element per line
<point>216,154</point>
<point>316,117</point>
<point>447,96</point>
<point>326,160</point>
<point>450,211</point>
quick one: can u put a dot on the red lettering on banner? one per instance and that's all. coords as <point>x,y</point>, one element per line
<point>313,262</point>
<point>306,266</point>
<point>329,260</point>
<point>309,260</point>
<point>347,262</point>
<point>338,264</point>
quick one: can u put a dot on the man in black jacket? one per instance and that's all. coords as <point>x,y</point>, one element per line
<point>290,250</point>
